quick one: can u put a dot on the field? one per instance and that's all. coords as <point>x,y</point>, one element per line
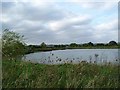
<point>22,74</point>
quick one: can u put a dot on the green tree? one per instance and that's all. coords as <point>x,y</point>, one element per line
<point>0,48</point>
<point>112,43</point>
<point>43,45</point>
<point>73,45</point>
<point>0,45</point>
<point>90,44</point>
<point>12,43</point>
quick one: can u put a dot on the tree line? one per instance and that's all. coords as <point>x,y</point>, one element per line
<point>13,45</point>
<point>75,45</point>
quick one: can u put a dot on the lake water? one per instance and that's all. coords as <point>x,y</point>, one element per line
<point>74,56</point>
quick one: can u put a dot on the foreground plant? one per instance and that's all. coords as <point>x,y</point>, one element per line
<point>21,74</point>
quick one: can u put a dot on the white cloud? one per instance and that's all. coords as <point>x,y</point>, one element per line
<point>93,1</point>
<point>106,31</point>
<point>52,22</point>
<point>111,25</point>
<point>96,4</point>
<point>67,22</point>
<point>5,19</point>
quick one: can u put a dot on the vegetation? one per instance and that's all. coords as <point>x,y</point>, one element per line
<point>112,43</point>
<point>12,43</point>
<point>90,45</point>
<point>43,45</point>
<point>0,46</point>
<point>21,74</point>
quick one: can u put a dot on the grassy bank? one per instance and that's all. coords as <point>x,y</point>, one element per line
<point>39,49</point>
<point>21,74</point>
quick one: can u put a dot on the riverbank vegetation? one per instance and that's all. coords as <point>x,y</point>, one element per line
<point>24,74</point>
<point>90,45</point>
<point>21,74</point>
<point>13,44</point>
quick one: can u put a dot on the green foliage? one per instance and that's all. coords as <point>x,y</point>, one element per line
<point>19,74</point>
<point>112,43</point>
<point>0,45</point>
<point>43,45</point>
<point>73,45</point>
<point>90,44</point>
<point>12,43</point>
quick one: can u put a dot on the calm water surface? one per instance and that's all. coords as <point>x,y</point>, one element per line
<point>74,56</point>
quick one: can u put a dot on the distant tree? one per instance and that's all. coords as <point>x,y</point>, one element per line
<point>85,44</point>
<point>12,43</point>
<point>73,45</point>
<point>112,43</point>
<point>63,46</point>
<point>100,44</point>
<point>90,44</point>
<point>0,44</point>
<point>118,44</point>
<point>79,45</point>
<point>57,46</point>
<point>43,45</point>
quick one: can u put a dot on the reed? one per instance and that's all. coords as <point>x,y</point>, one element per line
<point>23,74</point>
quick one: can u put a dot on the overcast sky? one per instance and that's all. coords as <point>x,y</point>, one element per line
<point>62,21</point>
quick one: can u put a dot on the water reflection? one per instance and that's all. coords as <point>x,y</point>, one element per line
<point>74,56</point>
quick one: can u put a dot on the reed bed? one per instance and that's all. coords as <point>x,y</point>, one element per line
<point>24,74</point>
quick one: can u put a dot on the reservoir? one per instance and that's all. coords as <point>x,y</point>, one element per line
<point>74,56</point>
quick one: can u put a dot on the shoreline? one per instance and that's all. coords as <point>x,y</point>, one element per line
<point>47,50</point>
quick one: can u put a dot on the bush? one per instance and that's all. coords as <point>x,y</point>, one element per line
<point>12,43</point>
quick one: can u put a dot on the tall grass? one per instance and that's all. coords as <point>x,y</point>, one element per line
<point>0,63</point>
<point>21,74</point>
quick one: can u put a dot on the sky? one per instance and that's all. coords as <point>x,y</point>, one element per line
<point>62,21</point>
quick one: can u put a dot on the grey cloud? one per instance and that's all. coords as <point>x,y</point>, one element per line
<point>30,12</point>
<point>32,22</point>
<point>46,14</point>
<point>80,33</point>
<point>7,5</point>
<point>20,12</point>
<point>37,38</point>
<point>77,24</point>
